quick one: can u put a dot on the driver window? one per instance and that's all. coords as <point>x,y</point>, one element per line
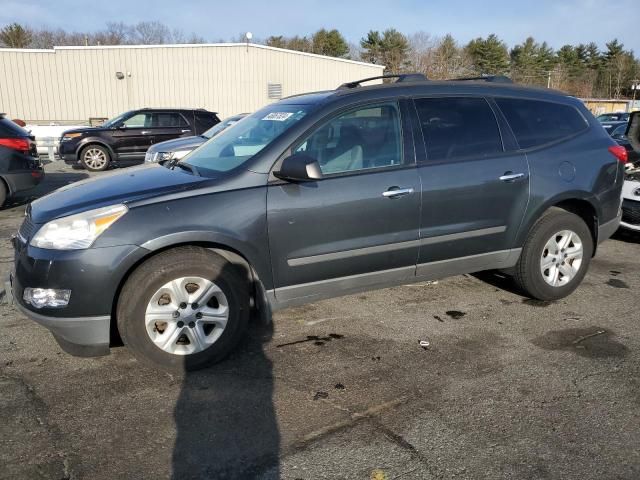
<point>140,120</point>
<point>361,139</point>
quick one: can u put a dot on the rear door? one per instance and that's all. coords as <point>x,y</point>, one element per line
<point>133,137</point>
<point>170,125</point>
<point>474,191</point>
<point>358,226</point>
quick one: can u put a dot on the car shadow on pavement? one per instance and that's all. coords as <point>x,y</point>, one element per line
<point>499,280</point>
<point>626,236</point>
<point>226,425</point>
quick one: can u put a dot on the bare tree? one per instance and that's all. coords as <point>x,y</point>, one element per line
<point>152,33</point>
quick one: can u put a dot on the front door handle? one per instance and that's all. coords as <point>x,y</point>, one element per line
<point>186,131</point>
<point>145,132</point>
<point>510,177</point>
<point>395,192</point>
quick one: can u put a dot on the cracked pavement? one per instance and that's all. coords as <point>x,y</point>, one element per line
<point>342,389</point>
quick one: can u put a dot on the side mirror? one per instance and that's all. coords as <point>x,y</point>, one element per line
<point>299,167</point>
<point>120,126</point>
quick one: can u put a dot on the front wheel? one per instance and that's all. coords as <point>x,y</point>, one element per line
<point>555,257</point>
<point>95,158</point>
<point>184,309</point>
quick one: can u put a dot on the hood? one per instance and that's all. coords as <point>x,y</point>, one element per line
<point>85,130</point>
<point>184,143</point>
<point>121,186</point>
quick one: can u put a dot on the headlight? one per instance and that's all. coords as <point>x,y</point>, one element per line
<point>77,231</point>
<point>177,155</point>
<point>68,136</point>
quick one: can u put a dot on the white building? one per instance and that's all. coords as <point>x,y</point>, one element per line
<point>76,84</point>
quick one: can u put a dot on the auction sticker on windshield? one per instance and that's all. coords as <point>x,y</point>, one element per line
<point>278,116</point>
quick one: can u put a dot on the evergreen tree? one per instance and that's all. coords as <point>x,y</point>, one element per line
<point>489,56</point>
<point>15,36</point>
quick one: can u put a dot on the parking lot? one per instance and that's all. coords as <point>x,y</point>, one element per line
<point>502,387</point>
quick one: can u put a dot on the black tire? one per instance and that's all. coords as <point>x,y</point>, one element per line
<point>3,193</point>
<point>527,272</point>
<point>149,277</point>
<point>101,152</point>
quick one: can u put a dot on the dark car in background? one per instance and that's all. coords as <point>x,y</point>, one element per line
<point>317,196</point>
<point>613,117</point>
<point>20,167</point>
<point>178,148</point>
<point>611,127</point>
<point>125,139</point>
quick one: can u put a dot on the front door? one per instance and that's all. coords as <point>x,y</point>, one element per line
<point>133,137</point>
<point>474,191</point>
<point>356,227</point>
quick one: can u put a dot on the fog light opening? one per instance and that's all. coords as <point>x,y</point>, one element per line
<point>46,297</point>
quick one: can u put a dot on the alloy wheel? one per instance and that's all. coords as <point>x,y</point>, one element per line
<point>561,258</point>
<point>186,315</point>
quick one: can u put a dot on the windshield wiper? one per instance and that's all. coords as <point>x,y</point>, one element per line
<point>184,166</point>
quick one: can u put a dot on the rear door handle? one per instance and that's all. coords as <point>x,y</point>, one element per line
<point>185,131</point>
<point>145,132</point>
<point>395,192</point>
<point>510,177</point>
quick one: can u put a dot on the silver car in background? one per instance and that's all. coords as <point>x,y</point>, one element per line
<point>177,148</point>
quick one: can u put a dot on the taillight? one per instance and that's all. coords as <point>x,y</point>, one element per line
<point>619,152</point>
<point>20,144</point>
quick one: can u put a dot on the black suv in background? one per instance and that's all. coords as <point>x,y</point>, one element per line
<point>124,140</point>
<point>317,196</point>
<point>20,167</point>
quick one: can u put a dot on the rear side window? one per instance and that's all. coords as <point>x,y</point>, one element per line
<point>169,120</point>
<point>10,129</point>
<point>458,127</point>
<point>536,123</point>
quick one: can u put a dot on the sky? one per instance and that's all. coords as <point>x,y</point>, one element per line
<point>558,22</point>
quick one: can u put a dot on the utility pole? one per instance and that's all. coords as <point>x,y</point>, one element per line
<point>549,79</point>
<point>634,86</point>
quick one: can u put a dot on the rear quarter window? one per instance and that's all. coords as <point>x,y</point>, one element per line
<point>536,122</point>
<point>204,121</point>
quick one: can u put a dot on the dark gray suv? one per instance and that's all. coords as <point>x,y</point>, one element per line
<point>316,196</point>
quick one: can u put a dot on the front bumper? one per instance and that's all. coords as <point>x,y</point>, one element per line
<point>93,275</point>
<point>80,336</point>
<point>630,215</point>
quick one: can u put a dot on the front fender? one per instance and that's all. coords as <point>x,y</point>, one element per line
<point>94,140</point>
<point>256,259</point>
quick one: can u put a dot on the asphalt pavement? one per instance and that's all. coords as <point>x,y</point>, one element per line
<point>460,378</point>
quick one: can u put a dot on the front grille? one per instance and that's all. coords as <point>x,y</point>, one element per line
<point>631,212</point>
<point>27,229</point>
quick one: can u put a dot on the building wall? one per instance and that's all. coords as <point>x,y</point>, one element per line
<point>72,84</point>
<point>598,106</point>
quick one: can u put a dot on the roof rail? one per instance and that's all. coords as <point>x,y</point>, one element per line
<point>483,78</point>
<point>402,77</point>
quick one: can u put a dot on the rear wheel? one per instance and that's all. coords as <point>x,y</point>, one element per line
<point>95,158</point>
<point>184,309</point>
<point>3,193</point>
<point>555,257</point>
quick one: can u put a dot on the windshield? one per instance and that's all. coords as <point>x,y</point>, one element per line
<point>227,122</point>
<point>115,120</point>
<point>238,143</point>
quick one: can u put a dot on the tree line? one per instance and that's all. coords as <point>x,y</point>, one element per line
<point>583,70</point>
